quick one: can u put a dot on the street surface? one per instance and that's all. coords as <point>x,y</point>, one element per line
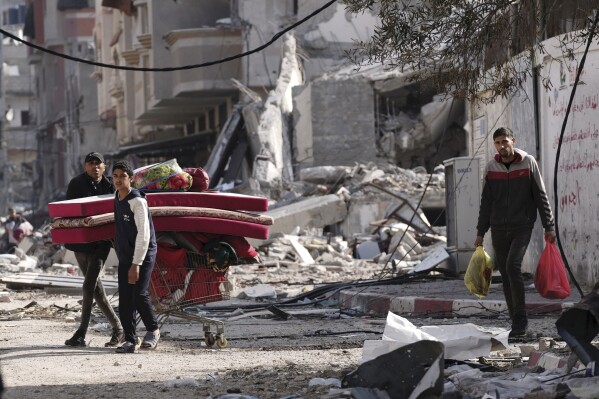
<point>265,358</point>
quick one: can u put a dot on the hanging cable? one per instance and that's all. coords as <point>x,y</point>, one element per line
<point>559,148</point>
<point>171,69</point>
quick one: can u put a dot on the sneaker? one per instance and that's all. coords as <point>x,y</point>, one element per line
<point>117,337</point>
<point>126,347</point>
<point>75,340</point>
<point>151,340</point>
<point>519,327</point>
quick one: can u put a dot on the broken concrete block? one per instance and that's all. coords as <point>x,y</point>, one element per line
<point>344,193</point>
<point>325,174</point>
<point>10,257</point>
<point>27,265</point>
<point>301,251</point>
<point>4,296</point>
<point>546,343</point>
<point>63,268</point>
<point>259,291</point>
<point>438,257</point>
<point>526,350</point>
<point>368,250</point>
<point>373,175</point>
<point>26,244</point>
<point>314,212</point>
<point>407,239</point>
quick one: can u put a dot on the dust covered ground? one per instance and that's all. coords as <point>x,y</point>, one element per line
<point>265,358</point>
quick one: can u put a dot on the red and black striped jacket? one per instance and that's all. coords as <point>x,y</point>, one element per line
<point>511,198</point>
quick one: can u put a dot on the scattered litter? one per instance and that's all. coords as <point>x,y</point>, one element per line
<point>325,382</point>
<point>461,341</point>
<point>179,382</point>
<point>259,291</point>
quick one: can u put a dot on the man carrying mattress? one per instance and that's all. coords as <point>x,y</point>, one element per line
<point>91,256</point>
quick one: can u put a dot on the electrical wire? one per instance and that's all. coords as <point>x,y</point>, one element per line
<point>171,69</point>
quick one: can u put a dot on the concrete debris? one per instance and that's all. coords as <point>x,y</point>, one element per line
<point>312,212</point>
<point>274,163</point>
<point>437,258</point>
<point>325,174</point>
<point>4,296</point>
<point>259,291</point>
<point>35,311</point>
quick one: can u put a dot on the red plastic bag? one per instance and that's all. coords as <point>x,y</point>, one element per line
<point>550,279</point>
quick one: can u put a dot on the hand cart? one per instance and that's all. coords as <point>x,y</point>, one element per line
<point>199,280</point>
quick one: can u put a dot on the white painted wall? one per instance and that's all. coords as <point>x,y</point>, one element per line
<point>578,194</point>
<point>578,167</point>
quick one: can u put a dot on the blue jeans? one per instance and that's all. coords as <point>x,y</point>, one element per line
<point>510,248</point>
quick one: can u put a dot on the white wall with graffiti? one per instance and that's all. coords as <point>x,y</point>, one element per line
<point>578,164</point>
<point>537,122</point>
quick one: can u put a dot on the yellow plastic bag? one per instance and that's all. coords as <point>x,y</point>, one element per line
<point>479,272</point>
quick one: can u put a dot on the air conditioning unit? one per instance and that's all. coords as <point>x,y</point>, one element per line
<point>462,201</point>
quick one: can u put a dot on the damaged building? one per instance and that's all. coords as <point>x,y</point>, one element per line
<point>255,122</point>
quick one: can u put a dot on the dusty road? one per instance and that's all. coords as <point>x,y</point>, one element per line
<point>265,358</point>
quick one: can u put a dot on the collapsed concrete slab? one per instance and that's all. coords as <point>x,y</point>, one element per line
<point>274,162</point>
<point>314,212</point>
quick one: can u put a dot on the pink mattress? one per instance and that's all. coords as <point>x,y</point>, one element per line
<point>164,223</point>
<point>97,205</point>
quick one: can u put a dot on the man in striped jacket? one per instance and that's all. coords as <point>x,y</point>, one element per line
<point>513,192</point>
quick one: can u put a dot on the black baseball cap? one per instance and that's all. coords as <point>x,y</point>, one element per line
<point>94,155</point>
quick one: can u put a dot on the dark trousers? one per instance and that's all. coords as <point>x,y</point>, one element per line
<point>91,265</point>
<point>135,298</point>
<point>510,247</point>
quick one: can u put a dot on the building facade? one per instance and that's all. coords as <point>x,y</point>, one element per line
<point>19,147</point>
<point>66,108</point>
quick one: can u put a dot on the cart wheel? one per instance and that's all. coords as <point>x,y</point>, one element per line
<point>209,339</point>
<point>221,342</point>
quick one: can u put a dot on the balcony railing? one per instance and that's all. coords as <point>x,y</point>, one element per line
<point>196,46</point>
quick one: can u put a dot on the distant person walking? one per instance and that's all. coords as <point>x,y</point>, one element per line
<point>513,192</point>
<point>10,224</point>
<point>135,245</point>
<point>92,256</point>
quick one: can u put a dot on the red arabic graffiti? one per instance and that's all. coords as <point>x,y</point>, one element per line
<point>591,131</point>
<point>585,163</point>
<point>571,199</point>
<point>583,103</point>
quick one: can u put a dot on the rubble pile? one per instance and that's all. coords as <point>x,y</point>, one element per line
<point>348,182</point>
<point>35,311</point>
<point>34,252</point>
